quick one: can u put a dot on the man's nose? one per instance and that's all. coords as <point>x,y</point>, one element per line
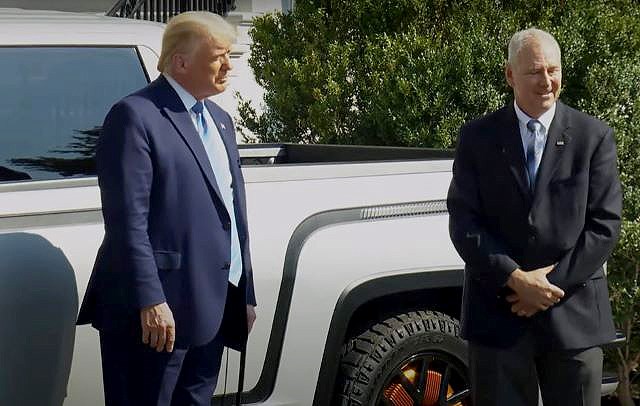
<point>546,79</point>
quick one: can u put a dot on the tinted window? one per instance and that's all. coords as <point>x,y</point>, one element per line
<point>53,102</point>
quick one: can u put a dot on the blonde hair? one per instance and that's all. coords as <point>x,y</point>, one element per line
<point>521,38</point>
<point>185,31</point>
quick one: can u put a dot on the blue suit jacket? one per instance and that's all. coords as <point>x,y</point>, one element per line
<point>167,231</point>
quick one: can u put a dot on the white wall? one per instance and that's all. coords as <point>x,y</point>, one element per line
<point>242,78</point>
<point>95,6</point>
<point>243,6</point>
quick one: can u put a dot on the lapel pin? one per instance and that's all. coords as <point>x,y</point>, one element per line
<point>560,143</point>
<point>224,128</point>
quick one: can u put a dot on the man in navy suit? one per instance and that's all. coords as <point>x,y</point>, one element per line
<point>172,283</point>
<point>535,205</point>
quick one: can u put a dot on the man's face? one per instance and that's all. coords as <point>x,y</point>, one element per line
<point>206,68</point>
<point>536,77</point>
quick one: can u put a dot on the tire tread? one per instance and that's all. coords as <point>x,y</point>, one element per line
<point>362,355</point>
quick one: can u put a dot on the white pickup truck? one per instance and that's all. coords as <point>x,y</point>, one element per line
<point>358,285</point>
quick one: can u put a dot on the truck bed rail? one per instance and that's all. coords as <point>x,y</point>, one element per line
<point>273,154</point>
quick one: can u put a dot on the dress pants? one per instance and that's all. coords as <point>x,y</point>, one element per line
<point>134,374</point>
<point>515,376</point>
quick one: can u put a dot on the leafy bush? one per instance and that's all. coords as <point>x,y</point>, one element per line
<point>410,73</point>
<point>613,93</point>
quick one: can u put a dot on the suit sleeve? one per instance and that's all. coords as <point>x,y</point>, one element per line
<point>125,174</point>
<point>486,256</point>
<point>602,222</point>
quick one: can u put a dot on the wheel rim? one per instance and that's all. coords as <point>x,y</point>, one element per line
<point>426,379</point>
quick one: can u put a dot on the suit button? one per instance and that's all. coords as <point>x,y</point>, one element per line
<point>532,239</point>
<point>226,265</point>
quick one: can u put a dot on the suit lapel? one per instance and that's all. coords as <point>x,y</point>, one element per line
<point>511,148</point>
<point>175,110</point>
<point>557,139</point>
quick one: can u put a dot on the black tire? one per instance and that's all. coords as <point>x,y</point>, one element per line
<point>375,362</point>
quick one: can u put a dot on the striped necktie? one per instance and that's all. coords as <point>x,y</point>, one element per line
<point>534,150</point>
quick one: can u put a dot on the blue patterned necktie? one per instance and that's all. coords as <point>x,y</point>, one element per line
<point>219,161</point>
<point>534,150</point>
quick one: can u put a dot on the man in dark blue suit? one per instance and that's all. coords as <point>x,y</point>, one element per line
<point>172,284</point>
<point>535,205</point>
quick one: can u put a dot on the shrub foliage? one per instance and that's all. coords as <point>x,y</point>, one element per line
<point>410,72</point>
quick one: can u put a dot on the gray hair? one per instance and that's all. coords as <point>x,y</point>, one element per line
<point>184,31</point>
<point>521,38</point>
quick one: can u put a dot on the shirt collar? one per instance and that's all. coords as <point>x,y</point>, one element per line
<point>187,98</point>
<point>545,119</point>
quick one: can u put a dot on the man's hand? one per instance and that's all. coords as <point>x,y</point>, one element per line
<point>520,308</point>
<point>251,317</point>
<point>158,327</point>
<point>533,292</point>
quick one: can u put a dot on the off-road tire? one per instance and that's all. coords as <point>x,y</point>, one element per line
<point>368,359</point>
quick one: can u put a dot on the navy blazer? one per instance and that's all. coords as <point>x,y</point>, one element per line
<point>167,231</point>
<point>573,219</point>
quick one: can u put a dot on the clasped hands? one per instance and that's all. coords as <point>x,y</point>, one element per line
<point>532,291</point>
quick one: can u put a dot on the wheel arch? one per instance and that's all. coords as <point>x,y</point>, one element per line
<point>371,300</point>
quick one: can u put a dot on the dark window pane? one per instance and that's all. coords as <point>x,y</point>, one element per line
<point>53,102</point>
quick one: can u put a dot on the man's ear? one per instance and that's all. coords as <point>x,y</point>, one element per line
<point>179,62</point>
<point>508,73</point>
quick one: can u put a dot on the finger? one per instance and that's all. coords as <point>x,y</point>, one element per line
<point>548,269</point>
<point>162,338</point>
<point>145,333</point>
<point>171,338</point>
<point>555,291</point>
<point>512,298</point>
<point>549,300</point>
<point>153,341</point>
<point>556,300</point>
<point>522,313</point>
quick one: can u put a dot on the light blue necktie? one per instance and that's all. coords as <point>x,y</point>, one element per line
<point>219,161</point>
<point>535,146</point>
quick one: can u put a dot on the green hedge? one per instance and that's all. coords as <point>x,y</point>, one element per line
<point>410,72</point>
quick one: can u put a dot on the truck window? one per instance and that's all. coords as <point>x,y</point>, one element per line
<point>53,102</point>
